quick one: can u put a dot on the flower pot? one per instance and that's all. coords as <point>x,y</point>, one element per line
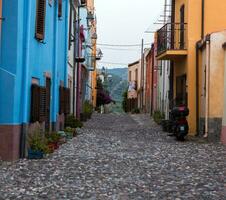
<point>83,117</point>
<point>62,141</point>
<point>51,147</point>
<point>69,135</point>
<point>32,154</point>
<point>89,115</point>
<point>74,133</point>
<point>61,133</point>
<point>55,145</point>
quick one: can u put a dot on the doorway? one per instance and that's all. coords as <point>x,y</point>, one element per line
<point>48,99</point>
<point>181,90</point>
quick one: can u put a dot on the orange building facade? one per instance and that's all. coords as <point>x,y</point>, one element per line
<point>185,41</point>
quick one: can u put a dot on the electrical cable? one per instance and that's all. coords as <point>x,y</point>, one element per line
<point>118,49</point>
<point>122,45</point>
<point>112,63</point>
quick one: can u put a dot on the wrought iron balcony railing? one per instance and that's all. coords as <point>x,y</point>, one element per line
<point>172,36</point>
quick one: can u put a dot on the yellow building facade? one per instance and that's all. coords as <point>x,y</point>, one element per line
<point>94,77</point>
<point>191,21</point>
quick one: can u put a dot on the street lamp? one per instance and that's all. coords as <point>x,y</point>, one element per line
<point>99,54</point>
<point>80,59</point>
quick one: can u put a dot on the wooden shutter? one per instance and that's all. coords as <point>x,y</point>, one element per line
<point>43,105</point>
<point>61,100</point>
<point>64,100</point>
<point>35,103</point>
<point>38,103</point>
<point>67,100</point>
<point>59,8</point>
<point>40,19</point>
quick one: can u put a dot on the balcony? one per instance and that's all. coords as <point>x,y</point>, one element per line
<point>132,90</point>
<point>172,41</point>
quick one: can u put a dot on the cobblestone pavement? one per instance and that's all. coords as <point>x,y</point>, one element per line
<point>120,157</point>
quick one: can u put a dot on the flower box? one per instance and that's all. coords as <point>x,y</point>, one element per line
<point>32,154</point>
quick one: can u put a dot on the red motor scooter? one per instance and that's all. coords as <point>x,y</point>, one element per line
<point>179,121</point>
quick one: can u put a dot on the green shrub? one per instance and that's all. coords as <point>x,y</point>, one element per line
<point>72,122</point>
<point>52,137</point>
<point>124,102</point>
<point>87,107</point>
<point>38,142</point>
<point>70,131</point>
<point>135,111</point>
<point>158,117</point>
<point>87,111</point>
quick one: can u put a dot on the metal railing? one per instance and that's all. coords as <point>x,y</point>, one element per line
<point>172,36</point>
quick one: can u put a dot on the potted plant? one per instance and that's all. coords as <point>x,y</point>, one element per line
<point>87,110</point>
<point>158,117</point>
<point>135,111</point>
<point>37,146</point>
<point>72,122</point>
<point>63,137</point>
<point>83,117</point>
<point>53,140</point>
<point>70,132</point>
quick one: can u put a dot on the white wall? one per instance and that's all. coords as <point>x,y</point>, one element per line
<point>71,63</point>
<point>163,87</point>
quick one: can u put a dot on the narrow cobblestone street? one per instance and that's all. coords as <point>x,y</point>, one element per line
<point>117,156</point>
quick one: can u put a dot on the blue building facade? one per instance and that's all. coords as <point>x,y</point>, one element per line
<point>33,51</point>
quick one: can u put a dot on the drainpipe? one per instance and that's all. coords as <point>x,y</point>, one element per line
<point>223,135</point>
<point>197,88</point>
<point>66,45</point>
<point>55,79</point>
<point>78,69</point>
<point>25,85</point>
<point>152,67</point>
<point>207,88</point>
<point>203,19</point>
<point>197,65</point>
<point>142,75</point>
<point>163,86</point>
<point>74,63</point>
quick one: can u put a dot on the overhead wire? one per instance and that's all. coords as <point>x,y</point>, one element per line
<point>112,63</point>
<point>119,49</point>
<point>122,45</point>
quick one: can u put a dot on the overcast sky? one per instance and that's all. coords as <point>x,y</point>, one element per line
<point>124,22</point>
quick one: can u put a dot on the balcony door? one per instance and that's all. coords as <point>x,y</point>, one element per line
<point>181,90</point>
<point>182,20</point>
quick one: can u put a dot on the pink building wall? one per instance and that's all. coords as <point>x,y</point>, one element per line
<point>155,77</point>
<point>79,72</point>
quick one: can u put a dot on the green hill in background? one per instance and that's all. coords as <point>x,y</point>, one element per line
<point>117,84</point>
<point>120,72</point>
